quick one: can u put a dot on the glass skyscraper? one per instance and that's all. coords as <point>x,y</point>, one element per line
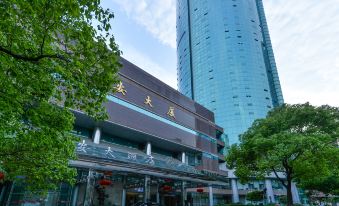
<point>226,61</point>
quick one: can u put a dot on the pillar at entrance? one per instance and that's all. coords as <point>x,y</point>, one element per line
<point>97,135</point>
<point>210,195</point>
<point>183,192</point>
<point>158,194</point>
<point>235,194</point>
<point>295,194</point>
<point>75,195</point>
<point>269,191</point>
<point>89,188</point>
<point>147,189</point>
<point>123,196</point>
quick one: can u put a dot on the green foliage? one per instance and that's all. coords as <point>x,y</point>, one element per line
<point>296,140</point>
<point>51,55</point>
<point>328,184</point>
<point>255,196</point>
<point>282,199</point>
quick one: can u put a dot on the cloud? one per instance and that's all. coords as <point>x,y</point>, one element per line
<point>157,16</point>
<point>146,63</point>
<point>305,37</point>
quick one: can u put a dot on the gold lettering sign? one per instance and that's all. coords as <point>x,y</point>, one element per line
<point>171,112</point>
<point>148,101</point>
<point>121,88</point>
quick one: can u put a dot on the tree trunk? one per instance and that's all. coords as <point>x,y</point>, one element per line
<point>289,191</point>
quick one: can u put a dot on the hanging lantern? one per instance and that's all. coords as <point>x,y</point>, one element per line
<point>200,190</point>
<point>167,188</point>
<point>105,182</point>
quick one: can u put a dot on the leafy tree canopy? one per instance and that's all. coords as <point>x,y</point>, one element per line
<point>51,53</point>
<point>298,141</point>
<point>328,185</point>
<point>255,196</point>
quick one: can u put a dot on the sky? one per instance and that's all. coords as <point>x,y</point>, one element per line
<point>304,34</point>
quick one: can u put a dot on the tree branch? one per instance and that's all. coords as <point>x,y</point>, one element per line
<point>33,59</point>
<point>281,180</point>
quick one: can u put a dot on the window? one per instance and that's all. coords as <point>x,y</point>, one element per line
<point>82,132</point>
<point>118,141</point>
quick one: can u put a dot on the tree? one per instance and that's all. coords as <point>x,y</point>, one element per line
<point>328,185</point>
<point>255,196</point>
<point>298,141</point>
<point>54,56</point>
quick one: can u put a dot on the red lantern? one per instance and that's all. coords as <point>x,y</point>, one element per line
<point>2,176</point>
<point>167,188</point>
<point>105,182</point>
<point>200,190</point>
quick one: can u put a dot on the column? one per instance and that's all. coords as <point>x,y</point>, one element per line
<point>295,194</point>
<point>123,196</point>
<point>147,189</point>
<point>183,192</point>
<point>235,194</point>
<point>75,195</point>
<point>89,189</point>
<point>269,191</point>
<point>183,157</point>
<point>210,195</point>
<point>158,194</point>
<point>96,135</point>
<point>148,148</point>
<point>147,186</point>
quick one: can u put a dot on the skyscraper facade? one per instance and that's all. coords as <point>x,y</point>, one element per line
<point>226,61</point>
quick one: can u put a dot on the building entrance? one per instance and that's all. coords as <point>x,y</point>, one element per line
<point>115,188</point>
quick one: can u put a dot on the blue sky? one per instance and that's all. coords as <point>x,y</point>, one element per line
<point>304,33</point>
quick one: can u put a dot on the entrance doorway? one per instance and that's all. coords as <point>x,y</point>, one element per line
<point>170,200</point>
